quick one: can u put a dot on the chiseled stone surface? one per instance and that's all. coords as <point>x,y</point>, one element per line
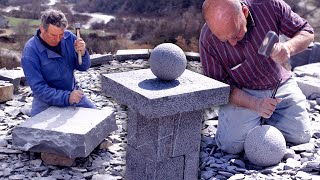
<point>64,131</point>
<point>154,98</point>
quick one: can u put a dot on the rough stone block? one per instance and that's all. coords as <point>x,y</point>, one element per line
<point>154,98</point>
<point>64,131</point>
<point>308,56</point>
<point>315,53</point>
<point>152,137</point>
<point>141,168</point>
<point>301,58</point>
<point>187,136</point>
<point>6,91</point>
<point>136,165</point>
<point>170,169</point>
<point>14,76</point>
<point>191,166</point>
<point>99,59</point>
<point>170,136</point>
<point>123,55</point>
<point>308,78</point>
<point>56,160</point>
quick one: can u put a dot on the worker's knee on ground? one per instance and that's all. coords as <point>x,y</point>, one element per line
<point>231,147</point>
<point>300,137</point>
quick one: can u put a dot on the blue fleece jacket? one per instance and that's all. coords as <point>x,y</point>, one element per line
<point>50,75</point>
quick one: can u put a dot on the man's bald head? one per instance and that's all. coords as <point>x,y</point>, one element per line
<point>225,18</point>
<point>220,9</point>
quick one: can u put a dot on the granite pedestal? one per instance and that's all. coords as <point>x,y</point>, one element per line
<point>165,119</point>
<point>66,132</point>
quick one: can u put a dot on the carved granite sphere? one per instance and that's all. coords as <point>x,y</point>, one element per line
<point>167,61</point>
<point>265,145</point>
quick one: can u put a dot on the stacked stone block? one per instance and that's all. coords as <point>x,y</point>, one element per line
<point>164,125</point>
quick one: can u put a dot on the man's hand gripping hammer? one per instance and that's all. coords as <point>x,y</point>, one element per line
<point>266,47</point>
<point>77,26</point>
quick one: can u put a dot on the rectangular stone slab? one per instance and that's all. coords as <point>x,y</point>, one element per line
<point>99,59</point>
<point>154,98</point>
<point>127,54</point>
<point>64,131</point>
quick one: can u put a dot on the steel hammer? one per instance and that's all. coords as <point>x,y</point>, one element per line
<point>77,26</point>
<point>266,47</point>
<point>267,44</point>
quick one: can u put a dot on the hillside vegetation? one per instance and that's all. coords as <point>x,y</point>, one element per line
<point>138,23</point>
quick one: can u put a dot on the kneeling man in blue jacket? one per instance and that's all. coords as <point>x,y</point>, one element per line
<point>49,59</point>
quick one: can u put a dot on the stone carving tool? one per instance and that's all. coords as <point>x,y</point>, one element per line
<point>273,95</point>
<point>267,44</point>
<point>77,26</point>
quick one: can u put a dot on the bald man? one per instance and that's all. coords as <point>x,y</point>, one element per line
<point>228,46</point>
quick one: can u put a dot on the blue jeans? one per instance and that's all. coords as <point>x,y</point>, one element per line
<point>290,117</point>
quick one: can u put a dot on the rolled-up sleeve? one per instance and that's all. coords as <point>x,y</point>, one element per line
<point>290,22</point>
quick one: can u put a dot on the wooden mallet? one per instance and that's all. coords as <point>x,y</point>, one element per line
<point>77,26</point>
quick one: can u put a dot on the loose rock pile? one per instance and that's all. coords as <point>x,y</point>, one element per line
<point>108,162</point>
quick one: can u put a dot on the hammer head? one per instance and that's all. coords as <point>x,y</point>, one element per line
<point>267,44</point>
<point>77,25</point>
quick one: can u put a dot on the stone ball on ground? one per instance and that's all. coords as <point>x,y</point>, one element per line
<point>167,61</point>
<point>265,145</point>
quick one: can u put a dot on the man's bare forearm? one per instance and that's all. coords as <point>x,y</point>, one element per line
<point>240,98</point>
<point>299,42</point>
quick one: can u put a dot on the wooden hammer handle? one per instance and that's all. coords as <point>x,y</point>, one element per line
<point>79,52</point>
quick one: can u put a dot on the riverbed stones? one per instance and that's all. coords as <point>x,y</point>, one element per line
<point>265,145</point>
<point>64,131</point>
<point>167,61</point>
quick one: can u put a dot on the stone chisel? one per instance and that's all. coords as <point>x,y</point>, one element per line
<point>77,26</point>
<point>273,95</point>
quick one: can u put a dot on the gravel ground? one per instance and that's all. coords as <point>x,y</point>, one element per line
<point>300,162</point>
